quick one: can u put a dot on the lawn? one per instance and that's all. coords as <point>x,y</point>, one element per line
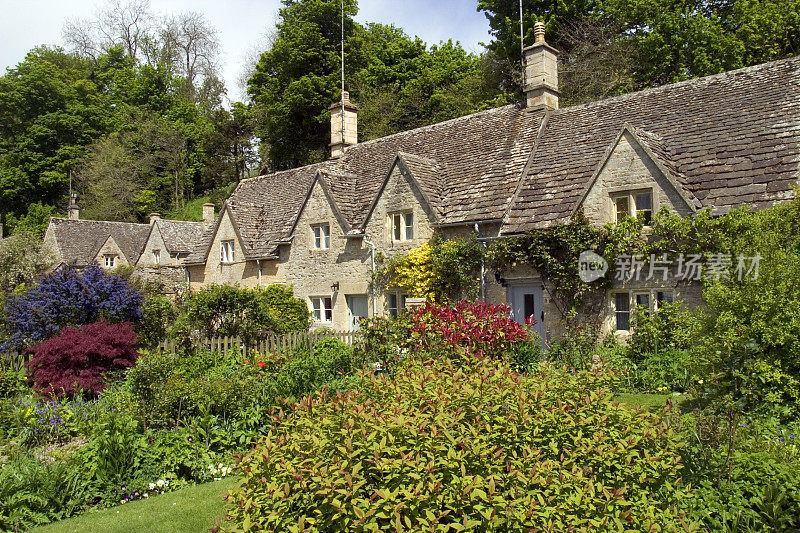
<point>192,509</point>
<point>648,402</point>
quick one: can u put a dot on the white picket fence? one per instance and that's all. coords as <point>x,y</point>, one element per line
<point>268,343</point>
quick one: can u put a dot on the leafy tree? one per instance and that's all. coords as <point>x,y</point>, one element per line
<point>33,222</point>
<point>49,113</point>
<point>398,81</point>
<point>622,45</point>
<point>22,261</point>
<point>68,297</point>
<point>78,359</point>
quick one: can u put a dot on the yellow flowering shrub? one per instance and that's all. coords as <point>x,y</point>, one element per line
<point>414,273</point>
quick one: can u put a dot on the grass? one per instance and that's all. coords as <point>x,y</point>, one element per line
<point>649,402</point>
<point>192,509</point>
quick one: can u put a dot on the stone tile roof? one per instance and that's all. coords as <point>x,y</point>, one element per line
<point>729,139</point>
<point>180,236</point>
<point>734,137</point>
<point>78,241</point>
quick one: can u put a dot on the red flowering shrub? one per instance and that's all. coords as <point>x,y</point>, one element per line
<point>78,359</point>
<point>469,329</point>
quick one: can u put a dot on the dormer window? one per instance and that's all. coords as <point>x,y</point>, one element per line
<point>637,204</point>
<point>227,252</point>
<point>402,226</point>
<point>322,236</point>
<point>110,261</point>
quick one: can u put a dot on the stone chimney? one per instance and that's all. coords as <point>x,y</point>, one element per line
<point>208,216</point>
<point>541,72</point>
<point>154,217</point>
<point>73,213</point>
<point>344,133</point>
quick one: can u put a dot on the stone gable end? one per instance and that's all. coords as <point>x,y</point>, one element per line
<point>154,242</point>
<point>630,168</point>
<point>110,247</point>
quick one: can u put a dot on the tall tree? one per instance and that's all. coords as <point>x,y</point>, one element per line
<point>398,82</point>
<point>615,46</point>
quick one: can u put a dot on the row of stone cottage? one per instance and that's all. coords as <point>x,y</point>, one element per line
<point>711,143</point>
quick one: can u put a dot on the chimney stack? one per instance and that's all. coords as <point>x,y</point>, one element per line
<point>208,216</point>
<point>541,72</point>
<point>344,133</point>
<point>154,217</point>
<point>73,213</point>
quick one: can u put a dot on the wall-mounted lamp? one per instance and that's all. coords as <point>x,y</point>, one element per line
<point>499,279</point>
<point>335,287</point>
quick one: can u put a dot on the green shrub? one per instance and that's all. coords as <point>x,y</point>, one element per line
<point>169,388</point>
<point>33,492</point>
<point>669,328</point>
<point>158,314</point>
<point>330,364</point>
<point>228,310</point>
<point>475,447</point>
<point>666,370</point>
<point>756,488</point>
<point>576,348</point>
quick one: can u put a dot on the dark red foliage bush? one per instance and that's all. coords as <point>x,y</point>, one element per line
<point>77,360</point>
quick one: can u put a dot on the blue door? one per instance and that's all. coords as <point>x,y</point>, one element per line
<point>527,305</point>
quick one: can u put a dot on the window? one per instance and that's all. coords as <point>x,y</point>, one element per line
<point>663,296</point>
<point>226,253</point>
<point>644,207</point>
<point>395,303</point>
<point>322,237</point>
<point>634,204</point>
<point>622,208</point>
<point>402,226</point>
<point>323,308</point>
<point>650,300</point>
<point>642,300</point>
<point>110,260</point>
<point>622,311</point>
<point>157,257</point>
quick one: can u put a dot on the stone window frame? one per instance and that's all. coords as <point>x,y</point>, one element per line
<point>227,251</point>
<point>630,197</point>
<point>110,260</point>
<point>399,228</point>
<point>321,240</point>
<point>654,296</point>
<point>320,311</point>
<point>395,303</point>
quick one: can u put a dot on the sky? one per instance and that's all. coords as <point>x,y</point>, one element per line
<point>242,25</point>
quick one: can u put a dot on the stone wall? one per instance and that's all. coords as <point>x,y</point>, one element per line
<point>171,278</point>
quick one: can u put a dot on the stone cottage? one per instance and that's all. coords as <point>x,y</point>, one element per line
<point>154,250</point>
<point>717,142</point>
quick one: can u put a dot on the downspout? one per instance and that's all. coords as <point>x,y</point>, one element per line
<point>483,265</point>
<point>372,271</point>
<point>259,271</point>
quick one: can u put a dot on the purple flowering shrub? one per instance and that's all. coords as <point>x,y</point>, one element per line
<point>69,297</point>
<point>78,359</point>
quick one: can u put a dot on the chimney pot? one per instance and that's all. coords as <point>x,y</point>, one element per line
<point>208,215</point>
<point>154,217</point>
<point>538,31</point>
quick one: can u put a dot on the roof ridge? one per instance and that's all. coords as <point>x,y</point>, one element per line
<point>101,221</point>
<point>691,81</point>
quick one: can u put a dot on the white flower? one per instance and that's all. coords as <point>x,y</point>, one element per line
<point>151,486</point>
<point>160,483</point>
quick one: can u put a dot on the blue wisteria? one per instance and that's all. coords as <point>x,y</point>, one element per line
<point>69,297</point>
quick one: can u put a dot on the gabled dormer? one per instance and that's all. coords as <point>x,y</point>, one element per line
<point>636,177</point>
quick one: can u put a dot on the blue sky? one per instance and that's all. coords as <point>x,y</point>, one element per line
<point>242,24</point>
